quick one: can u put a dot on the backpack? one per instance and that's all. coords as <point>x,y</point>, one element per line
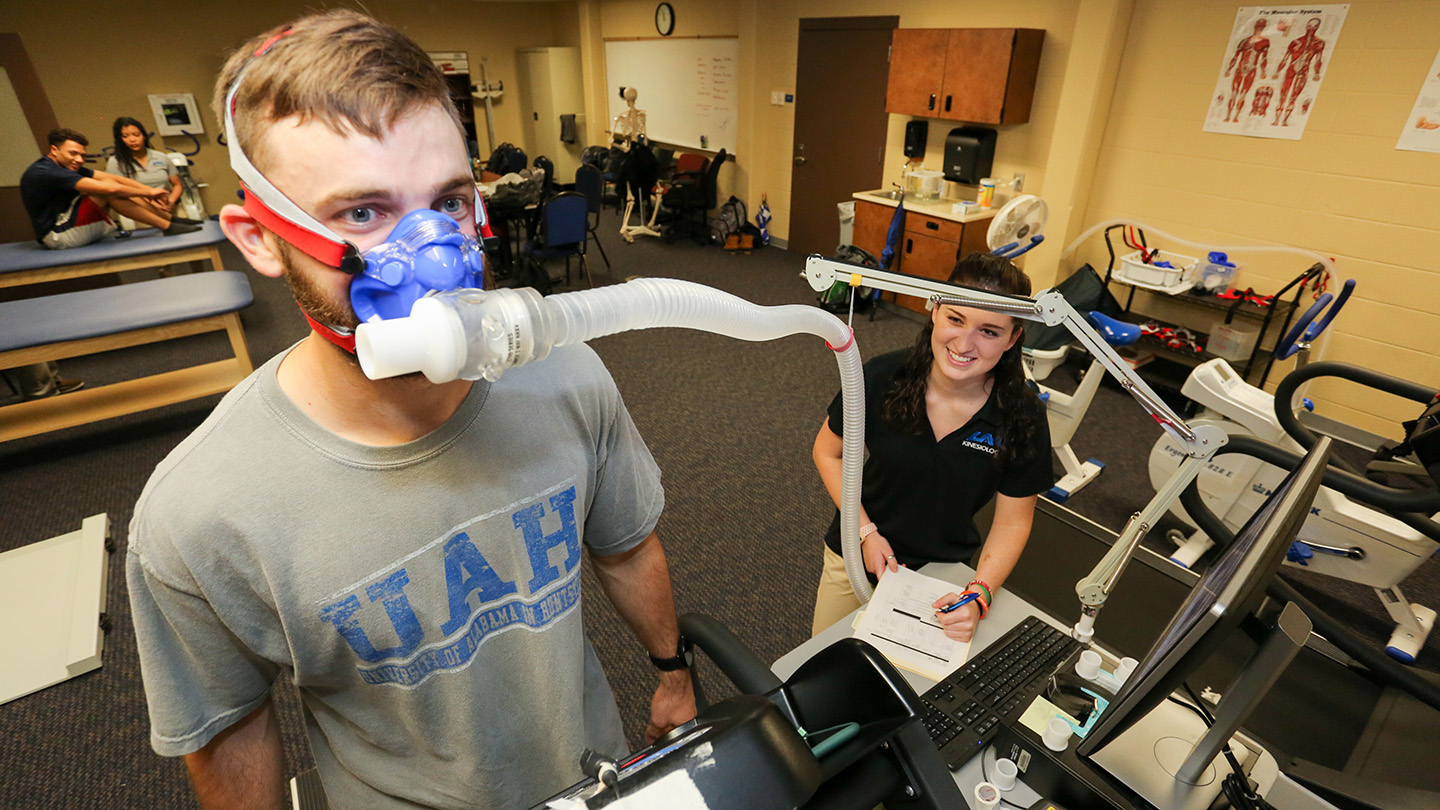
<point>506,158</point>
<point>837,298</point>
<point>727,222</point>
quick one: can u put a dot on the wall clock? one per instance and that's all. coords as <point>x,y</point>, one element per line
<point>665,19</point>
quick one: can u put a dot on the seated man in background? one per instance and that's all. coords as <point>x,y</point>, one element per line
<point>407,553</point>
<point>66,201</point>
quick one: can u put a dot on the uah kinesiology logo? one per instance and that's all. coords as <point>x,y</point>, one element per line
<point>982,441</point>
<point>552,591</point>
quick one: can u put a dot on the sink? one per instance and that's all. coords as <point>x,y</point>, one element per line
<point>892,194</point>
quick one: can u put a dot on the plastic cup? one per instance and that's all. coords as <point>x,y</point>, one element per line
<point>987,795</point>
<point>1088,665</point>
<point>1057,735</point>
<point>1127,666</point>
<point>1005,774</point>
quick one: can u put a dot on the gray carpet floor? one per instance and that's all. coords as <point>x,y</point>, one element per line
<point>730,423</point>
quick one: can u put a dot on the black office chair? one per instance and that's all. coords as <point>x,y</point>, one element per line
<point>563,232</point>
<point>690,203</point>
<point>590,182</point>
<point>547,186</point>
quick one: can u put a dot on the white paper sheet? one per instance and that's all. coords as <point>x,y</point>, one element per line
<point>1422,128</point>
<point>900,623</point>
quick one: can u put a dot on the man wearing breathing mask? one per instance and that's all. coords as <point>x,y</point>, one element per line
<point>407,553</point>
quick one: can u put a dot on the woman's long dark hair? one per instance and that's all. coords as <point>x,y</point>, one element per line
<point>904,407</point>
<point>123,156</point>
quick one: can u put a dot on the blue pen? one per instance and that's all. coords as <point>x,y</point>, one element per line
<point>964,599</point>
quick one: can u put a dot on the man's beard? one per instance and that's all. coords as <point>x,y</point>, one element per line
<point>311,298</point>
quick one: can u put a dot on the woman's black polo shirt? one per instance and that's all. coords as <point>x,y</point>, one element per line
<point>923,494</point>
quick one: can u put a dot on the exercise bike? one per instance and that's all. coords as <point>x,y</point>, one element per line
<point>1343,537</point>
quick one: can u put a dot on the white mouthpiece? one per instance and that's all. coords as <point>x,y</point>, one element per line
<point>426,342</point>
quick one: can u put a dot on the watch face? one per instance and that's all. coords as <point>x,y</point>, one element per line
<point>664,19</point>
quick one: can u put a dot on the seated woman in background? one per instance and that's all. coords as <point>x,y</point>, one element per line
<point>948,423</point>
<point>135,159</point>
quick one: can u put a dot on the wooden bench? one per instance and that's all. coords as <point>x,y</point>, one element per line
<point>55,327</point>
<point>31,263</point>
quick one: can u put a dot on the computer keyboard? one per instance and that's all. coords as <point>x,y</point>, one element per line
<point>963,710</point>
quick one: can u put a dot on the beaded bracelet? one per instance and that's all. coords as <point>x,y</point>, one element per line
<point>978,600</point>
<point>984,590</point>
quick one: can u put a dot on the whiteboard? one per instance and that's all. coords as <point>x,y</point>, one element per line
<point>686,87</point>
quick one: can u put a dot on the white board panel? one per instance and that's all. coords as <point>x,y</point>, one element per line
<point>687,88</point>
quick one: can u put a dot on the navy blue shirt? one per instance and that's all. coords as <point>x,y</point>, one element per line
<point>922,493</point>
<point>48,189</point>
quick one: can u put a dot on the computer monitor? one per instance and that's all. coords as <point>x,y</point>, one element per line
<point>1232,588</point>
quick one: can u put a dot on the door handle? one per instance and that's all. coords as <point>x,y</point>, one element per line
<point>934,226</point>
<point>947,104</point>
<point>932,101</point>
<point>909,245</point>
<point>799,160</point>
<point>799,154</point>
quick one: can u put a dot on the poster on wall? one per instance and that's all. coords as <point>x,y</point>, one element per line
<point>1422,128</point>
<point>1272,68</point>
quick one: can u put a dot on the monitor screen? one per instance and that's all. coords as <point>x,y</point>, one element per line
<point>1231,589</point>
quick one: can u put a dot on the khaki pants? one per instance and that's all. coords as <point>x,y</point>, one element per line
<point>834,599</point>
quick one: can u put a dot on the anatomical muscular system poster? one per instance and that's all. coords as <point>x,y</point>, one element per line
<point>1270,75</point>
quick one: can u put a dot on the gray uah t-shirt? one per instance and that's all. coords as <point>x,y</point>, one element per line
<point>155,171</point>
<point>425,597</point>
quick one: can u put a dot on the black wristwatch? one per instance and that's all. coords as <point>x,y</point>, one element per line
<point>681,660</point>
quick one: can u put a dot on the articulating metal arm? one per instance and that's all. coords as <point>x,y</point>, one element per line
<point>1051,308</point>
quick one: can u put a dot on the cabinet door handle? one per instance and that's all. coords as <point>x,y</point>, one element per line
<point>932,101</point>
<point>947,104</point>
<point>909,245</point>
<point>934,226</point>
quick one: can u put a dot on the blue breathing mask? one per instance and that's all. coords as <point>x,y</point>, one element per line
<point>426,252</point>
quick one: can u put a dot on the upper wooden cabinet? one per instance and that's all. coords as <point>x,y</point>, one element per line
<point>984,75</point>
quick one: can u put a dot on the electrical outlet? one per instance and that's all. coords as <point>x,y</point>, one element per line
<point>1019,182</point>
<point>777,97</point>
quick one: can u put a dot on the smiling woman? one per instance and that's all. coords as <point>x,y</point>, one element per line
<point>949,424</point>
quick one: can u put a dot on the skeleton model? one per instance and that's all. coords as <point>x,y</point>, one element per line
<point>629,125</point>
<point>1250,51</point>
<point>1300,54</point>
<point>628,130</point>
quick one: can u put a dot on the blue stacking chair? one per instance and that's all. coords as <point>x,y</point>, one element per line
<point>590,182</point>
<point>563,232</point>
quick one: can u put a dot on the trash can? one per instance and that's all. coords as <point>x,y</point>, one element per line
<point>847,222</point>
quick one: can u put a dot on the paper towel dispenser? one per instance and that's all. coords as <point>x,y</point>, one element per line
<point>969,154</point>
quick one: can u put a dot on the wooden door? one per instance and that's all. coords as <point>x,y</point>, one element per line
<point>926,256</point>
<point>976,71</point>
<point>917,71</point>
<point>840,124</point>
<point>990,74</point>
<point>872,223</point>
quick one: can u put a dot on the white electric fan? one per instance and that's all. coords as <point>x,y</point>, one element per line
<point>1016,228</point>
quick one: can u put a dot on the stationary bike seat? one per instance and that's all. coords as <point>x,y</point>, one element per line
<point>1116,333</point>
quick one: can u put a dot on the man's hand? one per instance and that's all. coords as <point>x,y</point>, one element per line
<point>960,623</point>
<point>672,704</point>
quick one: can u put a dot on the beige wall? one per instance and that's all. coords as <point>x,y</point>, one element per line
<point>97,64</point>
<point>1343,190</point>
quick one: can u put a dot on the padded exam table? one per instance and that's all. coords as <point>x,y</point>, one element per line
<point>31,263</point>
<point>56,327</point>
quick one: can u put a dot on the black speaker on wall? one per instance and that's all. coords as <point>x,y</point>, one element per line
<point>916,132</point>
